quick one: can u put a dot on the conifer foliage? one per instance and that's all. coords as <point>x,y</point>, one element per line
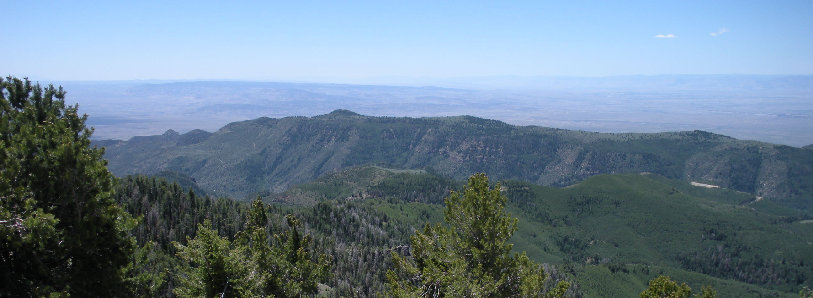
<point>254,264</point>
<point>471,257</point>
<point>664,287</point>
<point>60,230</point>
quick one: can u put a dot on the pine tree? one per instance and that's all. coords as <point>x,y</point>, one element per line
<point>664,287</point>
<point>148,271</point>
<point>253,265</point>
<point>471,256</point>
<point>298,272</point>
<point>60,230</point>
<point>211,270</point>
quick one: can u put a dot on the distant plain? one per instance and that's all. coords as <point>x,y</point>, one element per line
<point>774,109</point>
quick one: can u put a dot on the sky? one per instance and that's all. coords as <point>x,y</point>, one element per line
<point>358,41</point>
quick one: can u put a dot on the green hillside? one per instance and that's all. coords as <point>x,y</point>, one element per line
<point>608,233</point>
<point>370,182</point>
<point>269,155</point>
<point>618,220</point>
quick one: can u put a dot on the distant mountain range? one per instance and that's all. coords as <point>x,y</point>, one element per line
<point>775,109</point>
<point>266,155</point>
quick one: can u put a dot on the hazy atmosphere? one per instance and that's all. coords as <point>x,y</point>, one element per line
<point>776,109</point>
<point>731,67</point>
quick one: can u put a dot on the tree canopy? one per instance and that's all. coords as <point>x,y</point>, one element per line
<point>664,287</point>
<point>253,265</point>
<point>60,230</point>
<point>470,256</point>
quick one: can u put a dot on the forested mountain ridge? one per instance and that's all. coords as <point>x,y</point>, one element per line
<point>608,235</point>
<point>369,182</point>
<point>612,223</point>
<point>269,155</point>
<point>613,220</point>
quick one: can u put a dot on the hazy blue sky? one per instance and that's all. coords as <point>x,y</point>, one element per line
<point>350,41</point>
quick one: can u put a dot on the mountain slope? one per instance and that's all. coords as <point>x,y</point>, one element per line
<point>269,155</point>
<point>609,234</point>
<point>612,231</point>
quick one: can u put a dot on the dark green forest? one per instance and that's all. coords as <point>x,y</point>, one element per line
<point>263,155</point>
<point>68,227</point>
